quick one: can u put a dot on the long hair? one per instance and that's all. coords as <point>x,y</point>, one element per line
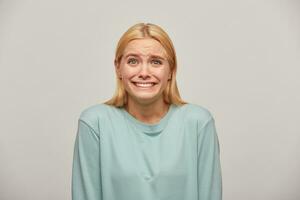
<point>140,31</point>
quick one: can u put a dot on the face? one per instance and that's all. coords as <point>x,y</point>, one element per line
<point>144,70</point>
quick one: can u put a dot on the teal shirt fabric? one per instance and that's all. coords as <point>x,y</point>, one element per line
<point>118,157</point>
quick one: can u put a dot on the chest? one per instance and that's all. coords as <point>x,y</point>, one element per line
<point>129,154</point>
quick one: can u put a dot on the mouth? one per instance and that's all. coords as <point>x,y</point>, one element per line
<point>144,84</point>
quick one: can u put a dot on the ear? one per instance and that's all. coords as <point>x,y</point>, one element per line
<point>116,63</point>
<point>170,76</point>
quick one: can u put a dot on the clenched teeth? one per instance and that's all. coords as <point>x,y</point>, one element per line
<point>150,84</point>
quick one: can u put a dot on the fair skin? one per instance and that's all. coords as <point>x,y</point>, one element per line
<point>144,61</point>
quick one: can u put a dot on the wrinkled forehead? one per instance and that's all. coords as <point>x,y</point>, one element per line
<point>145,48</point>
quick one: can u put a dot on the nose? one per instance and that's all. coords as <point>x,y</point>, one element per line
<point>144,71</point>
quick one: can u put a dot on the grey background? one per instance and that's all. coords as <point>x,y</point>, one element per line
<point>239,59</point>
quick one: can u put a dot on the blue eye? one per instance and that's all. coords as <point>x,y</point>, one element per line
<point>157,62</point>
<point>132,59</point>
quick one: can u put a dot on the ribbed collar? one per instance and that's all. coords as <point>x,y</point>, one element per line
<point>150,128</point>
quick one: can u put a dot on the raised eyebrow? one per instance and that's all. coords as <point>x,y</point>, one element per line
<point>131,54</point>
<point>158,57</point>
<point>152,56</point>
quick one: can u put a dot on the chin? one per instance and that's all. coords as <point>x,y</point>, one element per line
<point>145,97</point>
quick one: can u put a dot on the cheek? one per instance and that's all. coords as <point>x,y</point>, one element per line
<point>128,75</point>
<point>164,75</point>
<point>127,72</point>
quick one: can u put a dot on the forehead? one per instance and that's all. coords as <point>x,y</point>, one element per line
<point>145,47</point>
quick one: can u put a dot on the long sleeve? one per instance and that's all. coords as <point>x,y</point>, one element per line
<point>86,174</point>
<point>209,169</point>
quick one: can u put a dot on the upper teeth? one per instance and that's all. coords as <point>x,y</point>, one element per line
<point>144,84</point>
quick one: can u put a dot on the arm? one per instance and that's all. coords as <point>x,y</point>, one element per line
<point>86,164</point>
<point>209,168</point>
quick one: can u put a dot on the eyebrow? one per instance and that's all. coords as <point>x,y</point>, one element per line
<point>152,56</point>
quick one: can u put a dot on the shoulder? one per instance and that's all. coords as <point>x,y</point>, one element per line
<point>196,113</point>
<point>93,111</point>
<point>92,114</point>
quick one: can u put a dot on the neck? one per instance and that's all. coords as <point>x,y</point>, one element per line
<point>148,113</point>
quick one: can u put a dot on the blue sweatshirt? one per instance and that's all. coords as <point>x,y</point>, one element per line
<point>118,157</point>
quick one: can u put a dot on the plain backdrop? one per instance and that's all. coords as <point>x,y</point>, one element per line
<point>239,59</point>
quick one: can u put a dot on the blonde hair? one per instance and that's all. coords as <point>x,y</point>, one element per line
<point>140,31</point>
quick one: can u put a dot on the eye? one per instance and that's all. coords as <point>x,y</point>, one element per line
<point>130,61</point>
<point>157,62</point>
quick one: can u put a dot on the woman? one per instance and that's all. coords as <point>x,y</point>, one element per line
<point>146,143</point>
